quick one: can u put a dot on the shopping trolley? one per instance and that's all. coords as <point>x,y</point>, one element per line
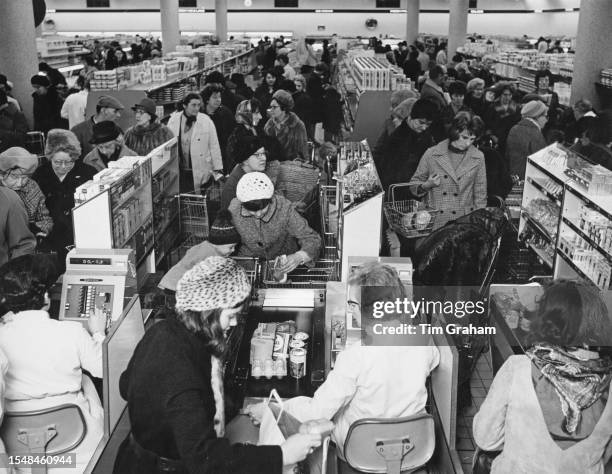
<point>193,224</point>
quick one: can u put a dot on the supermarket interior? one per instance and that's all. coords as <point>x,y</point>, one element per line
<point>293,236</point>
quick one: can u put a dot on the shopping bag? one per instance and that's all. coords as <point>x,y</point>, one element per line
<point>277,425</point>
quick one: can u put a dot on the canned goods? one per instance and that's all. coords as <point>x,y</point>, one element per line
<point>297,363</point>
<point>295,344</point>
<point>301,336</point>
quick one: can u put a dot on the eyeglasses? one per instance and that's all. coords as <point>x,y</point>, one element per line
<point>65,164</point>
<point>274,107</point>
<point>260,155</point>
<point>353,306</point>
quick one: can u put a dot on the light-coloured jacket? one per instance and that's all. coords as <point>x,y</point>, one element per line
<point>205,149</point>
<point>461,191</point>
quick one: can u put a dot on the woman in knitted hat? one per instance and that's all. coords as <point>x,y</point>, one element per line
<point>269,225</point>
<point>526,137</point>
<point>248,116</point>
<point>285,125</point>
<point>58,178</point>
<point>16,168</point>
<point>221,242</point>
<point>174,386</point>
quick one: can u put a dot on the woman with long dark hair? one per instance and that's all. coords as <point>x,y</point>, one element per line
<point>174,386</point>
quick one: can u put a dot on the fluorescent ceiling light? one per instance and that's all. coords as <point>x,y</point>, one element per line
<point>397,11</point>
<point>569,9</point>
<point>324,11</point>
<point>476,11</point>
<point>537,11</point>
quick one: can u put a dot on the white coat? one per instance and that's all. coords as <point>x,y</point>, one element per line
<point>205,149</point>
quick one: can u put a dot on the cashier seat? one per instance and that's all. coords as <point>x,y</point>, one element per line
<point>381,445</point>
<point>49,432</point>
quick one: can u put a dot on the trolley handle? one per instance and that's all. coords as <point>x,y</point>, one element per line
<point>393,187</point>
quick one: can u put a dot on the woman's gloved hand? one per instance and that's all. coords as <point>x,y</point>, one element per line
<point>298,446</point>
<point>432,182</point>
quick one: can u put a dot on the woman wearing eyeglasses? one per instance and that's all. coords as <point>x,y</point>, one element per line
<point>269,225</point>
<point>451,176</point>
<point>58,179</point>
<point>250,155</point>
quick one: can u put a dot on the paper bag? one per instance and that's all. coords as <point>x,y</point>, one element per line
<point>277,425</point>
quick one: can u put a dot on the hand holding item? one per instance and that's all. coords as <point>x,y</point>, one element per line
<point>255,412</point>
<point>321,426</point>
<point>291,263</point>
<point>432,182</point>
<point>298,446</point>
<point>97,321</point>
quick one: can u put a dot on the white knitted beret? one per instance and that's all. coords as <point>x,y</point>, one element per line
<point>254,186</point>
<point>214,283</point>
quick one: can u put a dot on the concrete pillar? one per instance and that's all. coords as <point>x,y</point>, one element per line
<point>457,26</point>
<point>18,58</point>
<point>593,52</point>
<point>221,20</point>
<point>170,25</point>
<point>412,20</point>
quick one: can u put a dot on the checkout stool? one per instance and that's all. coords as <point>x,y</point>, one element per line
<point>381,445</point>
<point>49,432</point>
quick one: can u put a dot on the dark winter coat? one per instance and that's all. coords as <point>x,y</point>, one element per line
<point>304,109</point>
<point>479,106</point>
<point>499,181</point>
<point>291,134</point>
<point>13,127</point>
<point>433,92</point>
<point>264,96</point>
<point>524,139</point>
<point>499,121</point>
<point>47,111</point>
<point>143,140</point>
<point>332,111</point>
<point>412,69</point>
<point>59,198</point>
<point>95,159</point>
<point>168,387</point>
<point>224,122</point>
<point>84,132</point>
<point>398,156</point>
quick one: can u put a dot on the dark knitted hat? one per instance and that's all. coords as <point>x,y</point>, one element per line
<point>40,80</point>
<point>246,147</point>
<point>222,231</point>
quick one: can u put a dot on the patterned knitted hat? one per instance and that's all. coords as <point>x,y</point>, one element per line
<point>254,186</point>
<point>222,231</point>
<point>215,283</point>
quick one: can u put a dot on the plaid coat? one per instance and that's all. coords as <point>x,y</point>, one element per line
<point>461,190</point>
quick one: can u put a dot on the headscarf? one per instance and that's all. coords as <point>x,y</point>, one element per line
<point>244,113</point>
<point>579,383</point>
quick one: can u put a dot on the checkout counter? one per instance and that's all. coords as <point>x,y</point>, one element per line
<point>314,300</point>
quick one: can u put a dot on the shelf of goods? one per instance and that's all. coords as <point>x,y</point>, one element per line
<point>115,210</point>
<point>57,52</point>
<point>521,66</point>
<point>373,73</point>
<point>566,216</point>
<point>354,205</point>
<point>165,189</point>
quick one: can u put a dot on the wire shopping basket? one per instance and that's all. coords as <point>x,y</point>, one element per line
<point>409,218</point>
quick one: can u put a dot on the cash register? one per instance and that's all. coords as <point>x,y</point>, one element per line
<point>97,278</point>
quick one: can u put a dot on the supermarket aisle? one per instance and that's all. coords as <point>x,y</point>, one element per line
<point>480,383</point>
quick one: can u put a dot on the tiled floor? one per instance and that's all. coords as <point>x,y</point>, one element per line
<point>480,383</point>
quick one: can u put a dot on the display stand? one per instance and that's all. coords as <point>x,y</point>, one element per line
<point>165,189</point>
<point>566,216</point>
<point>359,202</point>
<point>119,217</point>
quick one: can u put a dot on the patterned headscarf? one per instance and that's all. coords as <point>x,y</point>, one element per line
<point>578,383</point>
<point>244,113</point>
